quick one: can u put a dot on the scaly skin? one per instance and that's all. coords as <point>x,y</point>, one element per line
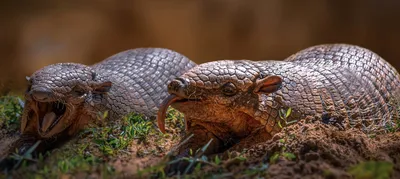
<point>62,98</point>
<point>342,84</point>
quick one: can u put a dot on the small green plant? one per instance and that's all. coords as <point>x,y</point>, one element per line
<point>11,108</point>
<point>282,153</point>
<point>112,138</point>
<point>27,156</point>
<point>284,115</point>
<point>371,170</point>
<point>175,119</point>
<point>217,160</point>
<point>77,162</point>
<point>274,158</point>
<point>136,127</point>
<point>289,155</point>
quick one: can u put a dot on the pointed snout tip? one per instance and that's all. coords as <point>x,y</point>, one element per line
<point>41,93</point>
<point>175,86</point>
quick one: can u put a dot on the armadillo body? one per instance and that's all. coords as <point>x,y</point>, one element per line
<point>348,80</point>
<point>63,98</point>
<point>338,83</point>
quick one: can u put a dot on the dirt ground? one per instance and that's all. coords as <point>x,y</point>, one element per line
<point>323,151</point>
<point>303,150</point>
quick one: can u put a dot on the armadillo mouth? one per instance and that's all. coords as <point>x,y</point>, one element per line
<point>162,111</point>
<point>49,113</point>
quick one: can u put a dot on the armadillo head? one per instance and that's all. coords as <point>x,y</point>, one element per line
<point>57,96</point>
<point>221,92</point>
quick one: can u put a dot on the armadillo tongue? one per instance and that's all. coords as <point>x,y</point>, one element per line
<point>48,119</point>
<point>162,112</point>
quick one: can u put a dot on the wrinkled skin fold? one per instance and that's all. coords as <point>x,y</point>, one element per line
<point>242,100</point>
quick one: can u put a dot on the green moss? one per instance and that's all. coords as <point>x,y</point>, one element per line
<point>372,170</point>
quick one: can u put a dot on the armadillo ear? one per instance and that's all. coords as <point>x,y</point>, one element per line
<point>99,86</point>
<point>268,84</point>
<point>102,87</point>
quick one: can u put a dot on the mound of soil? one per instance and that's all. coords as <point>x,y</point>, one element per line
<point>315,150</point>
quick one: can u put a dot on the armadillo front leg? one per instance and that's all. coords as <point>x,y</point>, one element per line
<point>257,136</point>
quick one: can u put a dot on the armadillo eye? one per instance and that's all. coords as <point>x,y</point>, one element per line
<point>229,89</point>
<point>78,91</point>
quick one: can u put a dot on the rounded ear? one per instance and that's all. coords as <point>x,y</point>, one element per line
<point>102,87</point>
<point>268,84</point>
<point>99,86</point>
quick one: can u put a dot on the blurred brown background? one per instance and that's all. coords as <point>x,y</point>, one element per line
<point>38,33</point>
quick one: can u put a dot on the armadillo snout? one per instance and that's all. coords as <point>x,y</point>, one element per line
<point>176,86</point>
<point>41,93</point>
